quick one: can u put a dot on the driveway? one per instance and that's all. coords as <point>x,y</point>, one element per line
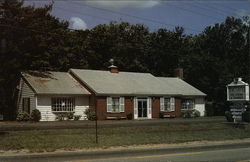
<point>18,126</point>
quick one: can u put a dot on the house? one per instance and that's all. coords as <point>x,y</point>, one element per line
<point>112,93</point>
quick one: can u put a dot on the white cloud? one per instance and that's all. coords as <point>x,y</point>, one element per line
<point>77,23</point>
<point>117,4</point>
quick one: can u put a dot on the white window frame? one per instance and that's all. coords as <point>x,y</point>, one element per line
<point>189,105</point>
<point>63,104</point>
<point>110,104</point>
<point>171,104</point>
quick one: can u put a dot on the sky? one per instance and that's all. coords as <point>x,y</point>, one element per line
<point>193,15</point>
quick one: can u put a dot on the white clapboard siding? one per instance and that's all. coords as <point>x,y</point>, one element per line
<point>44,106</point>
<point>26,91</point>
<point>200,105</point>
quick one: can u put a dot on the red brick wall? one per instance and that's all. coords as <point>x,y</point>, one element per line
<point>155,107</point>
<point>101,105</point>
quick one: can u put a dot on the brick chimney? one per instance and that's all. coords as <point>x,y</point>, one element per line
<point>112,68</point>
<point>178,72</point>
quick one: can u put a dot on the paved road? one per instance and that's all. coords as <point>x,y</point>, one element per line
<point>236,151</point>
<point>227,155</point>
<point>15,126</point>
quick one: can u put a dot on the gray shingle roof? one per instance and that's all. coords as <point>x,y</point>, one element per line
<point>54,83</point>
<point>128,83</point>
<point>181,87</point>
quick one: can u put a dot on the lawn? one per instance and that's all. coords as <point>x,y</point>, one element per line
<point>71,139</point>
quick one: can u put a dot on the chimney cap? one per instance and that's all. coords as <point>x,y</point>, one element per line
<point>112,67</point>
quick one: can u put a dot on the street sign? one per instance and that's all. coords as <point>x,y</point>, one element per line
<point>238,91</point>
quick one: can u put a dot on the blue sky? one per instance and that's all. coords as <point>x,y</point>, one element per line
<point>193,15</point>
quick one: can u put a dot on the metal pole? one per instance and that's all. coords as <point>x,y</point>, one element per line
<point>96,134</point>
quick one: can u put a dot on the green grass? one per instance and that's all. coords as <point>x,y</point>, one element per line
<point>70,139</point>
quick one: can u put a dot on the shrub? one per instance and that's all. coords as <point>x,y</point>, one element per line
<point>23,116</point>
<point>161,115</point>
<point>129,116</point>
<point>187,113</point>
<point>77,117</point>
<point>60,116</point>
<point>90,113</point>
<point>35,115</point>
<point>196,113</point>
<point>70,115</point>
<point>64,115</point>
<point>229,116</point>
<point>246,116</point>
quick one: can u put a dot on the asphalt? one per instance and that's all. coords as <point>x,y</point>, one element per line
<point>22,126</point>
<point>130,151</point>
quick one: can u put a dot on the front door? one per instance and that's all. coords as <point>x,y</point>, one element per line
<point>142,107</point>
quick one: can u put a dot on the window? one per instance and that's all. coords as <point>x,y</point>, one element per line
<point>115,104</point>
<point>167,104</point>
<point>188,104</point>
<point>63,104</point>
<point>26,105</point>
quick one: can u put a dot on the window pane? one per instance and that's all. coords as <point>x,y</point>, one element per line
<point>63,104</point>
<point>167,104</point>
<point>115,104</point>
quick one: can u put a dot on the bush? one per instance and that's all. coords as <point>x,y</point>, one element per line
<point>129,116</point>
<point>23,116</point>
<point>246,116</point>
<point>187,113</point>
<point>60,116</point>
<point>229,116</point>
<point>196,113</point>
<point>190,113</point>
<point>35,115</point>
<point>77,117</point>
<point>161,115</point>
<point>70,115</point>
<point>64,115</point>
<point>90,113</point>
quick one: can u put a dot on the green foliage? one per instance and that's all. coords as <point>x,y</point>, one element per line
<point>246,116</point>
<point>129,116</point>
<point>70,115</point>
<point>161,114</point>
<point>35,115</point>
<point>190,113</point>
<point>77,117</point>
<point>229,116</point>
<point>23,116</point>
<point>210,59</point>
<point>64,116</point>
<point>91,115</point>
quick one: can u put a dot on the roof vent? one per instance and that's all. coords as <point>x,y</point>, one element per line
<point>112,68</point>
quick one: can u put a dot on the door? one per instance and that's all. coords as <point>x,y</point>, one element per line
<point>142,108</point>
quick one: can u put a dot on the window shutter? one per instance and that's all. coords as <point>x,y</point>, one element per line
<point>149,107</point>
<point>172,101</point>
<point>135,108</point>
<point>122,104</point>
<point>162,103</point>
<point>109,104</point>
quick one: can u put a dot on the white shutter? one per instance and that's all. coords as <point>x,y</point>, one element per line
<point>149,108</point>
<point>172,101</point>
<point>162,104</point>
<point>121,104</point>
<point>135,108</point>
<point>109,104</point>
